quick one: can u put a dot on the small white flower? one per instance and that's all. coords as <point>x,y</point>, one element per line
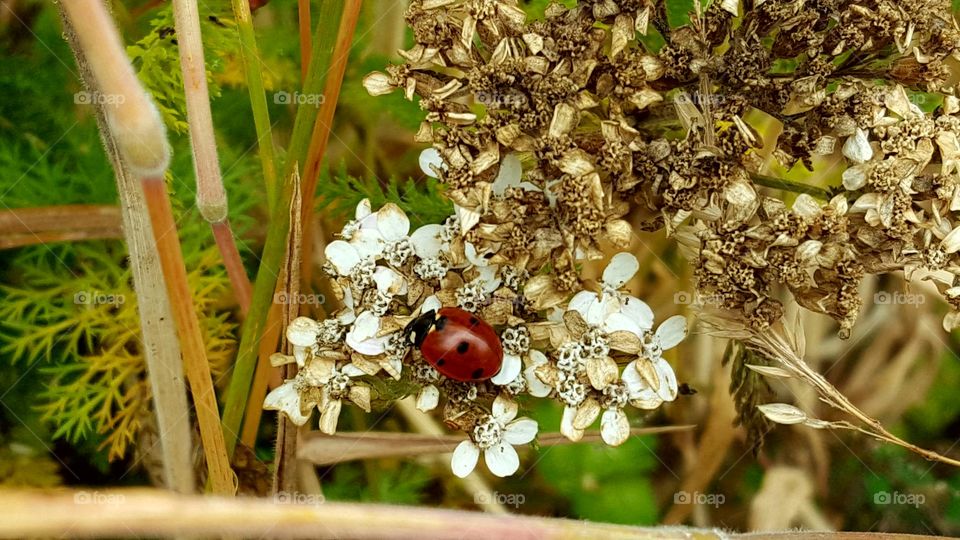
<point>495,436</point>
<point>516,345</point>
<point>363,335</point>
<point>611,309</point>
<point>650,380</point>
<point>319,383</point>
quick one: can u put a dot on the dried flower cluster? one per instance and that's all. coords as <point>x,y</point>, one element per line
<point>596,353</point>
<point>550,134</point>
<point>604,125</point>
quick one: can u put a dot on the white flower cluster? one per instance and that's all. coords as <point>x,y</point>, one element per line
<point>595,353</point>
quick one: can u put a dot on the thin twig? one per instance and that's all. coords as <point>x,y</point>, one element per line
<point>211,195</point>
<point>153,513</point>
<point>58,223</point>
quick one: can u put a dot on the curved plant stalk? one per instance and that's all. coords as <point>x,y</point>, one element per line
<point>140,136</point>
<point>275,245</point>
<point>785,345</point>
<point>253,72</point>
<point>211,195</point>
<point>161,350</point>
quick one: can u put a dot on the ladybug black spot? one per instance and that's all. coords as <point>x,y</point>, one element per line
<point>474,321</point>
<point>441,322</point>
<point>477,373</point>
<point>462,347</point>
<point>441,361</point>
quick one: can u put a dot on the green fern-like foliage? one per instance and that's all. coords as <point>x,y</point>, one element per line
<point>157,59</point>
<point>71,357</point>
<point>73,310</point>
<point>339,193</point>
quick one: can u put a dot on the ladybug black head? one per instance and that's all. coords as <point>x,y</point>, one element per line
<point>416,330</point>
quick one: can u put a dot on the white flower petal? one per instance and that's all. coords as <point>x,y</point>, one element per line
<point>303,331</point>
<point>621,268</point>
<point>504,409</point>
<point>470,252</point>
<point>350,370</point>
<point>520,431</point>
<point>668,381</point>
<point>633,381</point>
<point>487,278</point>
<point>672,331</point>
<point>363,210</point>
<point>582,301</point>
<point>432,303</point>
<point>502,459</point>
<point>366,326</point>
<point>342,255</point>
<point>509,174</point>
<point>464,458</point>
<point>614,427</point>
<point>509,370</point>
<point>361,335</point>
<point>392,223</point>
<point>619,321</point>
<point>367,243</point>
<point>369,347</point>
<point>857,147</point>
<point>429,160</point>
<point>637,310</point>
<point>426,242</point>
<point>535,386</point>
<point>428,398</point>
<point>566,424</point>
<point>286,398</point>
<point>389,281</point>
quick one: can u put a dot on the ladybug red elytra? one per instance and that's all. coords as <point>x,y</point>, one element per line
<point>457,343</point>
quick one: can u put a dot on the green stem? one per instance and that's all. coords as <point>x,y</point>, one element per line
<point>275,245</point>
<point>250,55</point>
<point>790,185</point>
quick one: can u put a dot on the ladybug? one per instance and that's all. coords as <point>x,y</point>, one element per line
<point>457,343</point>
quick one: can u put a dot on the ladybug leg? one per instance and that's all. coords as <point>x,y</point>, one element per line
<point>416,330</point>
